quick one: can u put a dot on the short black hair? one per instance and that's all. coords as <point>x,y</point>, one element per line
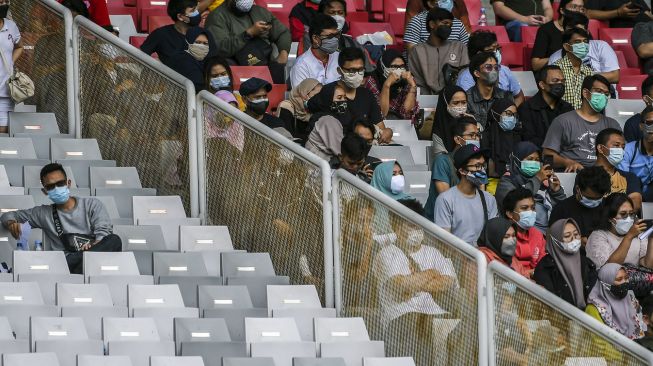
<point>479,40</point>
<point>51,168</point>
<point>213,61</point>
<point>460,125</point>
<point>610,209</point>
<point>350,54</point>
<point>77,6</point>
<point>594,178</point>
<point>566,36</point>
<point>603,136</point>
<point>544,72</point>
<point>478,60</point>
<point>413,205</point>
<point>176,7</point>
<point>319,23</point>
<point>437,14</point>
<point>324,3</point>
<point>647,85</point>
<point>575,19</point>
<point>354,147</point>
<point>563,4</point>
<point>514,196</point>
<point>363,123</point>
<point>589,81</point>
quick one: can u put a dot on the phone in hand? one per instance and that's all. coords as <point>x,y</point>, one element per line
<point>547,160</point>
<point>635,5</point>
<point>648,223</point>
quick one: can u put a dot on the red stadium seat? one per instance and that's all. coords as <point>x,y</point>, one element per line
<point>277,5</point>
<point>358,28</point>
<point>500,31</point>
<point>527,55</point>
<point>615,36</point>
<point>624,69</point>
<point>512,54</point>
<point>398,22</point>
<point>359,5</point>
<point>528,34</point>
<point>157,21</point>
<point>276,95</point>
<point>473,11</point>
<point>556,6</point>
<point>137,41</point>
<point>242,73</point>
<point>393,6</point>
<point>358,16</point>
<point>147,8</point>
<point>629,86</point>
<point>129,2</point>
<point>594,27</point>
<point>283,16</point>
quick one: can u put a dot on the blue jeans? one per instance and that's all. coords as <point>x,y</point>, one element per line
<point>513,28</point>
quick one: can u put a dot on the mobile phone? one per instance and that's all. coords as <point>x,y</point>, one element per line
<point>548,160</point>
<point>648,223</point>
<point>637,6</point>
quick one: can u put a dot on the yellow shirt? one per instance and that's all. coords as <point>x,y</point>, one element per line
<point>609,352</point>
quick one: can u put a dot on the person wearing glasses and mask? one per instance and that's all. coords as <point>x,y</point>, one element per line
<point>428,60</point>
<point>632,128</point>
<point>68,215</point>
<point>592,184</point>
<point>565,270</point>
<point>638,155</point>
<point>321,61</point>
<point>464,209</point>
<point>576,46</point>
<point>480,98</point>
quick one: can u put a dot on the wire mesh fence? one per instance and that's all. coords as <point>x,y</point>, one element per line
<point>530,331</point>
<point>138,114</point>
<point>415,292</point>
<point>271,199</point>
<point>44,39</point>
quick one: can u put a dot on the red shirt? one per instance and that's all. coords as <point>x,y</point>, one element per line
<point>530,247</point>
<point>515,265</point>
<point>97,11</point>
<point>296,25</point>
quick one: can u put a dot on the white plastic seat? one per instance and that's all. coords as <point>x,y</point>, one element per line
<point>308,361</point>
<point>527,82</point>
<point>402,154</point>
<point>30,359</point>
<point>170,227</point>
<point>179,264</point>
<point>158,207</point>
<point>13,203</point>
<point>622,109</point>
<point>41,142</point>
<point>33,123</point>
<point>164,318</point>
<point>647,210</point>
<point>4,178</point>
<point>119,177</point>
<point>305,319</point>
<point>253,361</point>
<point>567,181</point>
<point>154,296</point>
<point>353,352</point>
<point>420,150</point>
<point>81,169</point>
<point>259,330</point>
<point>32,176</point>
<point>188,286</point>
<point>19,312</point>
<point>109,264</point>
<point>224,297</point>
<point>91,360</point>
<point>205,238</point>
<point>14,346</point>
<point>200,330</point>
<point>213,352</point>
<point>93,315</point>
<point>75,149</point>
<point>388,361</point>
<point>48,282</point>
<point>140,352</point>
<point>126,28</point>
<point>118,285</point>
<point>417,182</point>
<point>235,319</point>
<point>83,295</point>
<point>292,297</point>
<point>403,130</point>
<point>20,293</point>
<point>176,361</point>
<point>329,330</point>
<point>14,168</point>
<point>257,286</point>
<point>283,352</point>
<point>427,101</point>
<point>64,329</point>
<point>124,197</point>
<point>246,265</point>
<point>17,148</point>
<point>6,333</point>
<point>129,329</point>
<point>35,262</point>
<point>143,241</point>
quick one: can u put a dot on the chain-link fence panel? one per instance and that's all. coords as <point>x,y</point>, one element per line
<point>529,330</point>
<point>137,109</point>
<point>42,24</point>
<point>271,197</point>
<point>417,292</point>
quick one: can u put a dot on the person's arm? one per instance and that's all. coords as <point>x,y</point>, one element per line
<point>296,29</point>
<point>282,38</point>
<point>151,43</point>
<point>227,42</point>
<point>411,97</point>
<point>612,76</point>
<point>560,161</point>
<point>18,51</point>
<point>425,281</point>
<point>519,98</point>
<point>647,261</point>
<point>99,219</point>
<point>507,14</point>
<point>548,10</point>
<point>12,220</point>
<point>539,62</point>
<point>619,255</point>
<point>552,144</point>
<point>624,11</point>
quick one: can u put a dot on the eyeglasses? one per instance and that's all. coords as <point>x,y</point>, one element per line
<point>61,183</point>
<point>476,167</point>
<point>626,215</point>
<point>353,71</point>
<point>473,135</point>
<point>490,49</point>
<point>490,67</point>
<point>648,122</point>
<point>335,35</point>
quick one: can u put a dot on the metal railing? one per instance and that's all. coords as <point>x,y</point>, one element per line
<point>529,325</point>
<point>419,288</point>
<point>140,111</point>
<point>46,30</point>
<point>272,193</point>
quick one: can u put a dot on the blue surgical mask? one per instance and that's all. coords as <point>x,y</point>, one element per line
<point>526,219</point>
<point>616,156</point>
<point>59,195</point>
<point>590,203</point>
<point>508,123</point>
<point>477,178</point>
<point>473,142</point>
<point>220,82</point>
<point>445,4</point>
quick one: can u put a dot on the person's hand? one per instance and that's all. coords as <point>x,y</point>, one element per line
<point>637,228</point>
<point>258,29</point>
<point>572,167</point>
<point>627,10</point>
<point>283,57</point>
<point>367,169</point>
<point>544,173</point>
<point>554,183</point>
<point>409,78</point>
<point>391,79</point>
<point>15,229</point>
<point>534,20</point>
<point>386,136</point>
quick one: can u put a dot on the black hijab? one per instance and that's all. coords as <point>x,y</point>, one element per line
<point>303,13</point>
<point>521,151</point>
<point>444,122</point>
<point>499,142</point>
<point>320,105</point>
<point>492,236</point>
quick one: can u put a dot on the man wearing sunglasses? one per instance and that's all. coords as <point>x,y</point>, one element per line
<point>70,218</point>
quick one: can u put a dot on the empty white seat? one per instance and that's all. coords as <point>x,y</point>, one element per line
<point>647,210</point>
<point>93,315</point>
<point>30,359</point>
<point>164,318</point>
<point>14,168</point>
<point>388,361</point>
<point>200,330</point>
<point>118,285</point>
<point>141,237</point>
<point>119,177</point>
<point>129,329</point>
<point>417,182</point>
<point>257,286</point>
<point>567,181</point>
<point>41,143</point>
<point>420,150</point>
<point>235,319</point>
<point>13,203</point>
<point>33,123</point>
<point>56,328</point>
<point>622,109</point>
<point>75,149</point>
<point>20,293</point>
<point>154,296</point>
<point>90,360</point>
<point>4,178</point>
<point>271,330</point>
<point>293,297</point>
<point>158,207</point>
<point>6,333</point>
<point>427,101</point>
<point>402,154</point>
<point>124,197</point>
<point>35,262</point>
<point>527,82</point>
<point>242,361</point>
<point>141,351</point>
<point>32,176</point>
<point>19,312</point>
<point>170,227</point>
<point>17,148</point>
<point>340,330</point>
<point>283,352</point>
<point>176,361</point>
<point>353,352</point>
<point>83,295</point>
<point>403,130</point>
<point>205,238</point>
<point>81,169</point>
<point>12,191</point>
<point>68,350</point>
<point>224,297</point>
<point>307,361</point>
<point>246,264</point>
<point>48,282</point>
<point>109,264</point>
<point>305,319</point>
<point>124,24</point>
<point>213,352</point>
<point>188,285</point>
<point>179,264</point>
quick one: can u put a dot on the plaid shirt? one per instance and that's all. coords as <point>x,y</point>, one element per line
<point>396,104</point>
<point>573,82</point>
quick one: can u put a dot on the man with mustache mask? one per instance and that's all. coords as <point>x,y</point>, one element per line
<point>426,60</point>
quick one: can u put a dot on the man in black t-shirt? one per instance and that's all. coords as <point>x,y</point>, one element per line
<point>255,95</point>
<point>620,13</point>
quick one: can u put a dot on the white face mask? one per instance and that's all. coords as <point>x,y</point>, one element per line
<point>415,238</point>
<point>352,79</point>
<point>340,20</point>
<point>457,111</point>
<point>397,184</point>
<point>570,248</point>
<point>622,226</point>
<point>509,246</point>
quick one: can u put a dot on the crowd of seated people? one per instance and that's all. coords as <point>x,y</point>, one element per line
<point>496,155</point>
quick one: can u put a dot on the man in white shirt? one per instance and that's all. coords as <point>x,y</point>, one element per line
<point>321,61</point>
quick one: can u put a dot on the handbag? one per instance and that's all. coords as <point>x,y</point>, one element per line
<point>71,242</point>
<point>20,85</point>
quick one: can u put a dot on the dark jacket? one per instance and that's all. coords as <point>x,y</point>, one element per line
<point>479,107</point>
<point>537,117</point>
<point>548,276</point>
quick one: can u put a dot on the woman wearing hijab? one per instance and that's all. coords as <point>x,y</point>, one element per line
<point>330,118</point>
<point>613,303</point>
<point>190,63</point>
<point>389,178</point>
<point>394,87</point>
<point>501,135</point>
<point>498,242</point>
<point>452,105</point>
<point>293,111</point>
<point>566,271</point>
<point>526,170</point>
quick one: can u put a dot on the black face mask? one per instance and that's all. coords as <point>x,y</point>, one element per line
<point>258,108</point>
<point>443,32</point>
<point>4,9</point>
<point>339,107</point>
<point>557,90</point>
<point>195,21</point>
<point>620,291</point>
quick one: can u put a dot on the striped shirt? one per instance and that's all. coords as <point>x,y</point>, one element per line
<point>417,32</point>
